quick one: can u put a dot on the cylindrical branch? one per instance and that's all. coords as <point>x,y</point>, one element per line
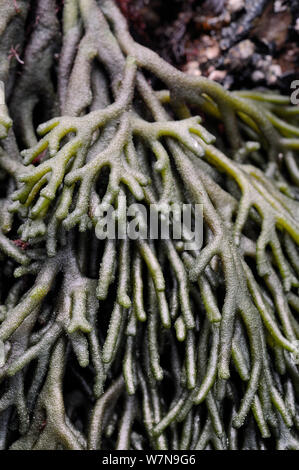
<point>57,429</point>
<point>34,87</point>
<point>292,166</point>
<point>15,394</point>
<point>108,50</point>
<point>152,334</point>
<point>123,440</point>
<point>138,286</point>
<point>31,300</point>
<point>75,91</point>
<point>98,414</point>
<point>71,36</point>
<point>270,204</point>
<point>209,299</point>
<point>5,120</point>
<point>12,37</point>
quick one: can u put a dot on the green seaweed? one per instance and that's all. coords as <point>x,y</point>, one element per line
<point>135,344</point>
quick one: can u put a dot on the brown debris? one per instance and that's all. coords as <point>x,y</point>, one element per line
<point>273,27</point>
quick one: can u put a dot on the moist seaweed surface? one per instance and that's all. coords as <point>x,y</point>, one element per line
<point>138,343</point>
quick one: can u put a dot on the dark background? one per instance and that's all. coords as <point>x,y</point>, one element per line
<point>239,43</point>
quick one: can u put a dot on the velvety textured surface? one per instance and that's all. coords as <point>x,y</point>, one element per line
<point>140,344</point>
